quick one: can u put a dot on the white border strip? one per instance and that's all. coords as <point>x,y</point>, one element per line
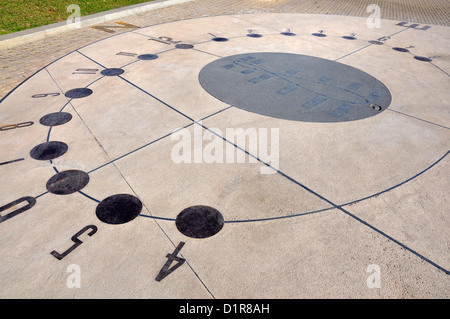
<point>15,39</point>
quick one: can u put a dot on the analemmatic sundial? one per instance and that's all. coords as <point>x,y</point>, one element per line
<point>118,158</point>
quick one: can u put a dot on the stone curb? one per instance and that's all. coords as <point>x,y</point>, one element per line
<point>15,39</point>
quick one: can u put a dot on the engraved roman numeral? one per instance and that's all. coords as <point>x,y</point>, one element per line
<point>13,161</point>
<point>41,95</point>
<point>14,126</point>
<point>30,200</point>
<point>85,71</point>
<point>413,26</point>
<point>167,270</point>
<point>78,242</point>
<point>127,54</point>
<point>165,40</point>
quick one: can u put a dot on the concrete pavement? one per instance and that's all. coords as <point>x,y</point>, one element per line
<point>351,208</point>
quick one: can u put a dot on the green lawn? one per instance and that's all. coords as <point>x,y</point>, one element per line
<point>17,15</point>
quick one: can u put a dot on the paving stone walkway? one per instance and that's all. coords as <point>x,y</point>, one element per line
<point>19,63</point>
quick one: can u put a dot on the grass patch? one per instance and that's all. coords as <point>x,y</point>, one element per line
<point>20,15</point>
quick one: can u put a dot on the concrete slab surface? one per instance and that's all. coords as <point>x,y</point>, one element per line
<point>306,209</point>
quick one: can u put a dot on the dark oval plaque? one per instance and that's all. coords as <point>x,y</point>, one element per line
<point>295,87</point>
<point>199,221</point>
<point>118,209</point>
<point>67,182</point>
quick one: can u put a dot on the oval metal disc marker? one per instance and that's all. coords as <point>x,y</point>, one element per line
<point>295,87</point>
